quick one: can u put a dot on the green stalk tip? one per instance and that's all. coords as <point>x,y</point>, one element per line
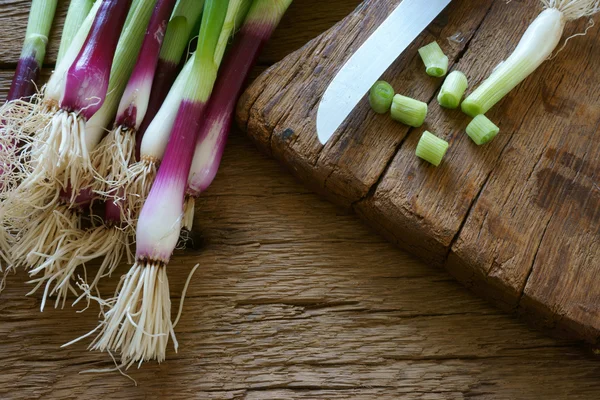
<point>78,11</point>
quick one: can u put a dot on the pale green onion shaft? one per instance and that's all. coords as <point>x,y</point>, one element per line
<point>56,84</point>
<point>381,97</point>
<point>236,12</point>
<point>453,90</point>
<point>126,55</point>
<point>482,130</point>
<point>78,11</point>
<point>431,148</point>
<point>38,27</point>
<point>185,16</point>
<point>536,45</point>
<point>34,49</point>
<point>408,111</point>
<point>436,62</point>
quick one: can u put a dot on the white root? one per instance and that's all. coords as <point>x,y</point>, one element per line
<point>573,9</point>
<point>60,153</point>
<point>112,159</point>
<point>112,244</point>
<point>39,225</point>
<point>42,247</point>
<point>137,190</point>
<point>138,324</point>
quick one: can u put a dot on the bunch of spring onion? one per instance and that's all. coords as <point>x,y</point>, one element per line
<point>259,25</point>
<point>22,88</point>
<point>536,46</point>
<point>137,321</point>
<point>115,154</point>
<point>72,198</point>
<point>156,136</point>
<point>50,226</point>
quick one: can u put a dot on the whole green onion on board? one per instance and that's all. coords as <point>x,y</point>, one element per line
<point>536,46</point>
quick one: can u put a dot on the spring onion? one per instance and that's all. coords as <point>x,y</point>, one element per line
<point>259,25</point>
<point>113,156</point>
<point>23,87</point>
<point>63,155</point>
<point>34,49</point>
<point>431,148</point>
<point>408,111</point>
<point>183,20</point>
<point>453,90</point>
<point>482,130</point>
<point>436,62</point>
<point>138,324</point>
<point>156,137</point>
<point>536,46</point>
<point>381,96</point>
<point>78,11</point>
<point>54,244</point>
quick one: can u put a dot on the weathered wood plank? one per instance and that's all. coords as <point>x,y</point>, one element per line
<point>422,207</point>
<point>509,195</point>
<point>283,121</point>
<point>296,300</point>
<point>542,230</point>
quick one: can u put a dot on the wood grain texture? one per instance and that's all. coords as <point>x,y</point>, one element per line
<point>296,299</point>
<point>516,220</point>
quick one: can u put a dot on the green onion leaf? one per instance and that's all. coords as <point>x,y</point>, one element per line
<point>453,89</point>
<point>431,148</point>
<point>482,130</point>
<point>436,62</point>
<point>381,97</point>
<point>408,111</point>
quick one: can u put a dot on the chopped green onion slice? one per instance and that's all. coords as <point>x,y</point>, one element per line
<point>408,111</point>
<point>381,97</point>
<point>436,62</point>
<point>453,89</point>
<point>431,148</point>
<point>482,130</point>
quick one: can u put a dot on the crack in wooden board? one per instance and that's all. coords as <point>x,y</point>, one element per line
<point>440,214</point>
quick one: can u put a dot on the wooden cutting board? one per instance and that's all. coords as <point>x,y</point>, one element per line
<point>517,220</point>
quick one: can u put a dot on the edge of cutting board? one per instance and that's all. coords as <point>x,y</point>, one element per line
<point>516,221</point>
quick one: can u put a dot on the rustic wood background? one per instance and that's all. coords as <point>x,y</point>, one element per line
<point>517,220</point>
<point>296,299</point>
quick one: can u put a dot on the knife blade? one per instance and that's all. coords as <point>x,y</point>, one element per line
<point>371,60</point>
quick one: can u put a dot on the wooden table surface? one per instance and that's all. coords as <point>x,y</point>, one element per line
<point>295,299</point>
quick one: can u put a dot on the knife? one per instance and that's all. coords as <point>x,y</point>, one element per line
<point>371,60</point>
